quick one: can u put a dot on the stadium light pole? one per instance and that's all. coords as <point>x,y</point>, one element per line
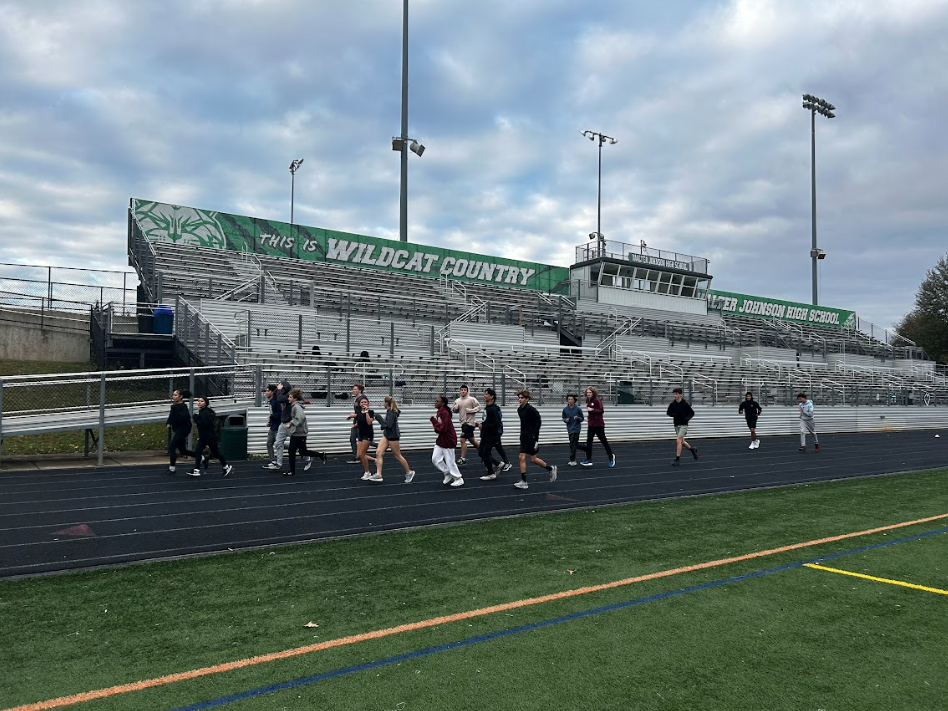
<point>822,107</point>
<point>401,143</point>
<point>602,138</point>
<point>294,166</point>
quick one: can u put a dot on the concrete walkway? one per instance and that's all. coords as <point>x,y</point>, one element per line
<point>44,462</point>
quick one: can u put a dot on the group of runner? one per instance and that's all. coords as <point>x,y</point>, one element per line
<point>287,432</point>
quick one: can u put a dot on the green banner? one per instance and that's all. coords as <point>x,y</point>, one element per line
<point>161,222</point>
<point>774,309</point>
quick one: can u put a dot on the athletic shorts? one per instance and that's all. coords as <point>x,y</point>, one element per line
<point>467,431</point>
<point>529,447</point>
<point>681,430</point>
<point>365,438</point>
<point>752,423</point>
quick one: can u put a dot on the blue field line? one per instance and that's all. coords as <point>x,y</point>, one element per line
<point>407,656</point>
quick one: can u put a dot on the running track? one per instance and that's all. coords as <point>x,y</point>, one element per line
<point>53,521</point>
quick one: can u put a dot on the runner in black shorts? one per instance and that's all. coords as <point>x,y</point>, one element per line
<point>530,423</point>
<point>751,410</point>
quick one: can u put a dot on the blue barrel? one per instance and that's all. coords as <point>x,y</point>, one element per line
<point>164,319</point>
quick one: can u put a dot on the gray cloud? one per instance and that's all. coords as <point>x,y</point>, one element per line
<point>205,104</point>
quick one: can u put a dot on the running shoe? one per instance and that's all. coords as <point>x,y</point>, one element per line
<point>228,469</point>
<point>324,457</point>
<point>612,460</point>
<point>409,476</point>
<point>572,462</point>
<point>585,463</point>
<point>366,476</point>
<point>553,473</point>
<point>272,465</point>
<point>457,482</point>
<point>195,472</point>
<point>375,477</point>
<point>816,448</point>
<point>694,453</point>
<point>507,466</point>
<point>447,479</point>
<point>307,464</point>
<point>489,477</point>
<point>521,484</point>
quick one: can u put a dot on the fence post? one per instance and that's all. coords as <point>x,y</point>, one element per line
<point>1,419</point>
<point>444,390</point>
<point>391,383</point>
<point>432,341</point>
<point>328,386</point>
<point>191,404</point>
<point>258,385</point>
<point>299,332</point>
<point>503,389</point>
<point>101,442</point>
<point>348,332</point>
<point>391,344</point>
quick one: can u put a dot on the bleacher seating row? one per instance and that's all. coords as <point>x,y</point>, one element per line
<point>365,324</point>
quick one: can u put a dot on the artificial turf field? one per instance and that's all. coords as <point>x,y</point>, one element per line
<point>762,632</point>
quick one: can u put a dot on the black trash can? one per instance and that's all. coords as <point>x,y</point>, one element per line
<point>233,442</point>
<point>626,393</point>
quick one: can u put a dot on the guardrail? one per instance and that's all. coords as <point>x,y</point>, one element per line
<point>92,401</point>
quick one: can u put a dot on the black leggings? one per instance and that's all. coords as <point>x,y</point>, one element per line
<point>599,432</point>
<point>484,451</point>
<point>298,444</point>
<point>179,444</point>
<point>211,444</point>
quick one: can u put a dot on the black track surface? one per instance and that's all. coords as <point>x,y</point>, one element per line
<point>59,520</point>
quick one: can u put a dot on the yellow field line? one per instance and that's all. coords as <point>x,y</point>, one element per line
<point>875,579</point>
<point>435,621</point>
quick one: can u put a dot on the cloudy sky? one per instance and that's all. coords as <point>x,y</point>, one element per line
<point>205,102</point>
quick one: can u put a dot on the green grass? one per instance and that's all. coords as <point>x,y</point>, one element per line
<point>797,639</point>
<point>117,439</point>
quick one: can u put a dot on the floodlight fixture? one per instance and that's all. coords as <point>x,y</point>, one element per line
<point>815,105</point>
<point>397,143</point>
<point>417,148</point>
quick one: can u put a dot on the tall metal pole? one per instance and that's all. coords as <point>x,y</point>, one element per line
<point>814,254</point>
<point>599,202</point>
<point>403,194</point>
<point>292,192</point>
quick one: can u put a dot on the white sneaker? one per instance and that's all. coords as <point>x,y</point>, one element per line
<point>462,461</point>
<point>228,469</point>
<point>447,479</point>
<point>457,482</point>
<point>553,473</point>
<point>756,444</point>
<point>308,464</point>
<point>409,476</point>
<point>521,484</point>
<point>375,477</point>
<point>751,446</point>
<point>272,465</point>
<point>507,466</point>
<point>195,472</point>
<point>489,477</point>
<point>572,462</point>
<point>366,476</point>
<point>171,469</point>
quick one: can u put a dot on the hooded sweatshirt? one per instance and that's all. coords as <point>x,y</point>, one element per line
<point>595,410</point>
<point>206,419</point>
<point>444,426</point>
<point>283,397</point>
<point>180,417</point>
